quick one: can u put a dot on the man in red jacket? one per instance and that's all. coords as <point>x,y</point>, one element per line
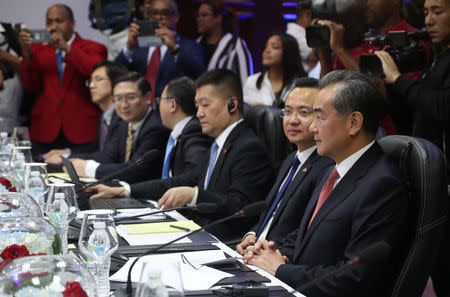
<point>63,114</point>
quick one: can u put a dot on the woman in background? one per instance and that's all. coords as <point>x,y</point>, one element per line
<point>282,64</point>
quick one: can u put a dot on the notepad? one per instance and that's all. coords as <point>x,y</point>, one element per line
<point>161,227</point>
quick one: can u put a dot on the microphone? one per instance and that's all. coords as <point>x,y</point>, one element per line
<point>203,208</point>
<point>150,155</point>
<point>372,254</point>
<point>250,210</point>
<point>66,180</point>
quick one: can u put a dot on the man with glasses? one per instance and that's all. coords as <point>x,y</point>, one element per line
<point>186,149</point>
<point>100,87</point>
<point>299,173</point>
<point>140,131</point>
<point>177,56</point>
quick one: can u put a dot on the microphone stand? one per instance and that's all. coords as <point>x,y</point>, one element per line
<point>152,213</point>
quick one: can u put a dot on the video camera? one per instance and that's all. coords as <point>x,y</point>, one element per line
<point>405,48</point>
<point>346,12</point>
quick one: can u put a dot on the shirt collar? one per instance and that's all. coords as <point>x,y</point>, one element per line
<point>107,115</point>
<point>345,165</point>
<point>176,132</point>
<point>304,155</point>
<point>139,124</point>
<point>220,140</point>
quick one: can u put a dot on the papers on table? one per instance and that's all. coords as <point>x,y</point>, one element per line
<point>149,239</point>
<point>127,212</point>
<point>162,227</point>
<point>193,279</point>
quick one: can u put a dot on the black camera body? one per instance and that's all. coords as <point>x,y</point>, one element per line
<point>318,36</point>
<point>404,48</point>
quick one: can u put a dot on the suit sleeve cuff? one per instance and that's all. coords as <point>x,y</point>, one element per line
<point>194,200</point>
<point>128,54</point>
<point>91,168</point>
<point>247,234</point>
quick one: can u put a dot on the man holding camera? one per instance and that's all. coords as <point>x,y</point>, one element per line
<point>57,71</point>
<point>177,56</point>
<point>429,100</point>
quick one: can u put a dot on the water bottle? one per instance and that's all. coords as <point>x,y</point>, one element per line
<point>4,141</point>
<point>154,287</point>
<point>58,212</point>
<point>35,188</point>
<point>99,244</point>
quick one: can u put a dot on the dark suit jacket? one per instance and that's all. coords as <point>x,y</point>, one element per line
<point>152,135</point>
<point>67,106</point>
<point>110,134</point>
<point>366,206</point>
<point>293,203</point>
<point>242,175</point>
<point>190,152</point>
<point>189,62</point>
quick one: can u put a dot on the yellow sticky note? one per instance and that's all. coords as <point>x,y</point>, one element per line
<point>71,246</point>
<point>161,227</point>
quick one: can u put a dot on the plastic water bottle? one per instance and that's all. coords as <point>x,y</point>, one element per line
<point>4,141</point>
<point>154,287</point>
<point>35,188</point>
<point>58,212</point>
<point>99,244</point>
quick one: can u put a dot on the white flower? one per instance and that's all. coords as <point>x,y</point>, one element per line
<point>35,242</point>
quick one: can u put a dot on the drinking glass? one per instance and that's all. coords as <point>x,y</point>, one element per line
<point>20,155</point>
<point>38,194</point>
<point>22,136</point>
<point>98,241</point>
<point>61,208</point>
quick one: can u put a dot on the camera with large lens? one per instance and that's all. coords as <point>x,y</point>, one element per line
<point>405,49</point>
<point>346,12</point>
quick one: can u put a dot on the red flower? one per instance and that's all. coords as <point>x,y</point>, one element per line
<point>74,289</point>
<point>14,251</point>
<point>7,184</point>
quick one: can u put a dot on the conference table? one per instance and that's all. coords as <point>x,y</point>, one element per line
<point>147,232</point>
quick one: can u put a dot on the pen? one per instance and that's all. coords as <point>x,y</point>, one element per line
<point>180,228</point>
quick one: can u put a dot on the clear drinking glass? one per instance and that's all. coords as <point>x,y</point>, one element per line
<point>38,194</point>
<point>157,274</point>
<point>98,241</point>
<point>22,136</point>
<point>61,208</point>
<point>19,157</point>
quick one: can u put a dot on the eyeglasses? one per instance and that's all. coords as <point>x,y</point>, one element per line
<point>165,13</point>
<point>289,113</point>
<point>95,80</point>
<point>127,98</point>
<point>204,15</point>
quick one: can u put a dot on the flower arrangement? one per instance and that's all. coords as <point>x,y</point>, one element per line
<point>34,242</point>
<point>13,252</point>
<point>7,184</point>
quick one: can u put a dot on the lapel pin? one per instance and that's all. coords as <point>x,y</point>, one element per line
<point>225,151</point>
<point>305,170</point>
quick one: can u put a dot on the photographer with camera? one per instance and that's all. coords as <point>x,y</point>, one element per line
<point>429,100</point>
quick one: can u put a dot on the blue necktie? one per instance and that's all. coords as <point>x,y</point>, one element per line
<point>166,165</point>
<point>212,159</point>
<point>59,62</point>
<point>288,180</point>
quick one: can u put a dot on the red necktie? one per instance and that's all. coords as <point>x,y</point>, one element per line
<point>152,69</point>
<point>326,190</point>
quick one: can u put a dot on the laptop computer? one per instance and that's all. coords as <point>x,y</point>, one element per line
<point>83,197</point>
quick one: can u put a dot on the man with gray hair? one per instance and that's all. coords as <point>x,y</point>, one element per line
<point>357,203</point>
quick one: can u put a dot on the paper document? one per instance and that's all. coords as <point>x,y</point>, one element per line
<point>161,227</point>
<point>147,239</point>
<point>193,279</point>
<point>127,212</point>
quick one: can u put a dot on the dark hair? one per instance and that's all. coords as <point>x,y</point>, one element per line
<point>182,89</point>
<point>113,69</point>
<point>355,92</point>
<point>226,85</point>
<point>303,5</point>
<point>305,82</point>
<point>291,61</point>
<point>135,77</point>
<point>218,7</point>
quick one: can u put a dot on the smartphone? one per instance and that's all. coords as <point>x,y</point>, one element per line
<point>147,36</point>
<point>318,36</point>
<point>40,35</point>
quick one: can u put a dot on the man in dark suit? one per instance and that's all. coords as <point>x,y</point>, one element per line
<point>358,202</point>
<point>186,149</point>
<point>238,171</point>
<point>177,56</point>
<point>100,87</point>
<point>299,173</point>
<point>140,131</point>
<point>63,114</point>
